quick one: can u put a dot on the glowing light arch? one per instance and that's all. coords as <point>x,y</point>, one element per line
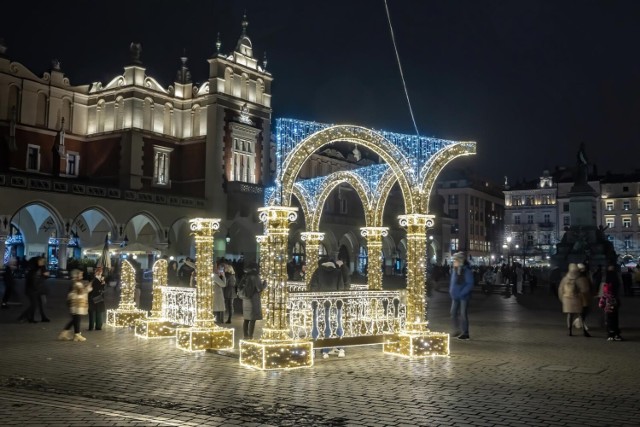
<point>436,163</point>
<point>367,138</point>
<point>330,184</point>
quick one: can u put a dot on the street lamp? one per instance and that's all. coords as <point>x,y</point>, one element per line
<point>228,238</point>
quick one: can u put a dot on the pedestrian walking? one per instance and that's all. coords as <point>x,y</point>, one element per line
<point>519,278</point>
<point>585,287</point>
<point>570,296</point>
<point>219,284</point>
<point>610,303</point>
<point>230,291</point>
<point>172,274</point>
<point>327,278</point>
<point>249,289</point>
<point>460,288</point>
<point>97,307</point>
<point>78,300</point>
<point>9,281</point>
<point>35,290</point>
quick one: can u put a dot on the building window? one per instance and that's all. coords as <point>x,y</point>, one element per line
<point>626,205</point>
<point>610,222</point>
<point>626,222</point>
<point>609,205</point>
<point>516,219</point>
<point>625,189</point>
<point>530,219</point>
<point>73,163</point>
<point>529,240</point>
<point>628,242</point>
<point>454,245</point>
<point>162,159</point>
<point>33,158</point>
<point>343,206</point>
<point>453,199</point>
<point>244,161</point>
<point>566,220</point>
<point>547,218</point>
<point>565,207</point>
<point>547,239</point>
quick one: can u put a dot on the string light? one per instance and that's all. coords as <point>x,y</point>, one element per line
<point>126,314</point>
<point>313,241</point>
<point>204,334</point>
<point>157,325</point>
<point>374,237</point>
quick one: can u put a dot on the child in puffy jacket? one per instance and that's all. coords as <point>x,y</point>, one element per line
<point>78,300</point>
<point>609,303</point>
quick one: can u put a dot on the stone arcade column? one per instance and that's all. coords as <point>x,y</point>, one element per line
<point>374,237</point>
<point>312,240</point>
<point>126,314</point>
<point>204,334</point>
<point>276,349</point>
<point>155,326</point>
<point>416,340</point>
<point>63,244</point>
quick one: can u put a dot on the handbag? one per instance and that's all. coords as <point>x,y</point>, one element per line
<point>577,323</point>
<point>98,299</point>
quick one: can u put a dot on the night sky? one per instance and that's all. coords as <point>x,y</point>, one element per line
<point>527,80</point>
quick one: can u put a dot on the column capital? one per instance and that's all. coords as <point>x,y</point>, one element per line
<point>204,225</point>
<point>417,220</point>
<point>270,213</point>
<point>374,231</point>
<point>63,240</point>
<point>311,236</point>
<point>261,238</point>
<point>3,238</point>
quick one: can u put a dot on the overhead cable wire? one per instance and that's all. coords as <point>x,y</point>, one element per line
<point>404,83</point>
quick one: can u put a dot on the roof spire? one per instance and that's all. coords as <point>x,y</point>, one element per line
<point>264,61</point>
<point>245,23</point>
<point>218,43</point>
<point>184,75</point>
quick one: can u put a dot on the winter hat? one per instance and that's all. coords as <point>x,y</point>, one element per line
<point>460,257</point>
<point>581,267</point>
<point>573,271</point>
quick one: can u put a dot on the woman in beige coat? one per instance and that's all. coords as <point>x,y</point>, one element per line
<point>570,295</point>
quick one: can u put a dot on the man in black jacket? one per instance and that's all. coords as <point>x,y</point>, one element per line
<point>327,278</point>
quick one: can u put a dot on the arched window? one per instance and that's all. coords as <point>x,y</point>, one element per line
<point>41,109</point>
<point>147,114</point>
<point>14,103</point>
<point>244,86</point>
<point>228,81</point>
<point>67,113</point>
<point>168,120</point>
<point>259,91</point>
<point>119,114</point>
<point>100,116</point>
<point>195,120</point>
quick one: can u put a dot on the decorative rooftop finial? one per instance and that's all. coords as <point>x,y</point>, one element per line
<point>184,75</point>
<point>55,64</point>
<point>218,44</point>
<point>135,49</point>
<point>245,23</point>
<point>3,47</point>
<point>264,61</point>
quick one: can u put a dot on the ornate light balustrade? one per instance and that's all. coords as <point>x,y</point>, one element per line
<point>347,317</point>
<point>179,305</point>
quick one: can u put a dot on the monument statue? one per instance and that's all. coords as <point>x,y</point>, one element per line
<point>582,166</point>
<point>135,49</point>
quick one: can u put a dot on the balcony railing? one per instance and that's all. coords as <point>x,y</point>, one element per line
<point>546,225</point>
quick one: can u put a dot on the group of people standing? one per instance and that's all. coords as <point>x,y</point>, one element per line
<point>576,292</point>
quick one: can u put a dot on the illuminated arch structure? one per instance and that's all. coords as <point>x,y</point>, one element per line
<point>413,162</point>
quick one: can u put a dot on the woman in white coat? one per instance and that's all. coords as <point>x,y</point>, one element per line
<point>219,283</point>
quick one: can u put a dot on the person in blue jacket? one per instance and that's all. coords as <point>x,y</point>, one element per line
<point>460,289</point>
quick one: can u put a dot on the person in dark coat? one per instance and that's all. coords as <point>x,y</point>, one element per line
<point>460,288</point>
<point>346,273</point>
<point>9,281</point>
<point>172,274</point>
<point>327,278</point>
<point>249,289</point>
<point>185,272</point>
<point>35,289</point>
<point>230,290</point>
<point>97,307</point>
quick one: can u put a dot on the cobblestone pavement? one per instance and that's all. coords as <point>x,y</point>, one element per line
<point>519,369</point>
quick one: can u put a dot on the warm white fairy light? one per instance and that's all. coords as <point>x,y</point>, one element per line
<point>155,326</point>
<point>126,314</point>
<point>374,237</point>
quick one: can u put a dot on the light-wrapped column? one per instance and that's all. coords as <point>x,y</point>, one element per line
<point>205,334</point>
<point>374,237</point>
<point>417,340</point>
<point>276,349</point>
<point>155,326</point>
<point>126,314</point>
<point>312,240</point>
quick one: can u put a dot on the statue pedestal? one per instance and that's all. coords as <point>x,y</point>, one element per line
<point>204,336</point>
<point>155,328</point>
<point>276,354</point>
<point>124,318</point>
<point>415,345</point>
